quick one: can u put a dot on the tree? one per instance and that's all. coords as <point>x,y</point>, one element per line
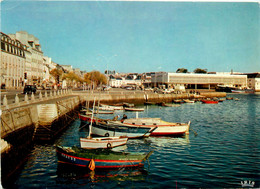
<point>199,70</point>
<point>56,73</point>
<point>182,70</point>
<point>96,77</point>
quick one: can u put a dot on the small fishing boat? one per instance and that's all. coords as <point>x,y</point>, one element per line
<point>209,101</point>
<point>188,101</point>
<point>243,91</point>
<point>110,128</point>
<point>100,158</point>
<point>163,128</point>
<point>102,142</point>
<point>134,109</point>
<point>168,104</point>
<point>108,107</point>
<point>105,142</point>
<point>229,98</point>
<point>178,101</point>
<point>101,112</point>
<point>149,103</point>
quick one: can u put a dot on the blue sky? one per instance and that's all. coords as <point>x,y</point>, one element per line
<point>141,36</point>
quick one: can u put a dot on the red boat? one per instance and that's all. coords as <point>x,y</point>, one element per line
<point>209,101</point>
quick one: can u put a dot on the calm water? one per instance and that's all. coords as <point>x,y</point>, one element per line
<point>224,153</point>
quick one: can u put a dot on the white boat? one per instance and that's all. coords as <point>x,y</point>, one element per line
<point>110,108</point>
<point>134,109</point>
<point>163,128</point>
<point>188,101</point>
<point>102,142</point>
<point>105,142</point>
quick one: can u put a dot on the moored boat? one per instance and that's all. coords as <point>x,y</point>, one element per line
<point>117,129</point>
<point>105,142</point>
<point>102,142</point>
<point>134,109</point>
<point>209,101</point>
<point>102,158</point>
<point>188,101</point>
<point>163,128</point>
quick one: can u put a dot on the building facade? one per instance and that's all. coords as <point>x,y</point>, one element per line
<point>253,81</point>
<point>192,80</point>
<point>12,62</point>
<point>34,58</point>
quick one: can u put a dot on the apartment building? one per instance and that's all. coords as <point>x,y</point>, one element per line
<point>12,62</point>
<point>34,70</point>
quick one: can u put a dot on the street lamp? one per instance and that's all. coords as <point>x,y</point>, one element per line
<point>107,61</point>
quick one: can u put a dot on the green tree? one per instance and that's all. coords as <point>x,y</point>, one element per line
<point>182,70</point>
<point>199,70</point>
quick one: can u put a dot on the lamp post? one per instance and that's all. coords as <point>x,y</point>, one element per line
<point>107,61</point>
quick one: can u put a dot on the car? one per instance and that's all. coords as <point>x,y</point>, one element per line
<point>29,89</point>
<point>107,88</point>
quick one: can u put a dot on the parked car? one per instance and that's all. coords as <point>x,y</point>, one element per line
<point>29,89</point>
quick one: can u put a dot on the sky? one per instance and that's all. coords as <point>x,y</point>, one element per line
<point>129,36</point>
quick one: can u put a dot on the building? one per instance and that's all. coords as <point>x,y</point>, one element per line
<point>197,81</point>
<point>253,81</point>
<point>12,62</point>
<point>67,68</point>
<point>34,58</point>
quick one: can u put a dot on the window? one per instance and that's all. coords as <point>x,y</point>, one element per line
<point>3,46</point>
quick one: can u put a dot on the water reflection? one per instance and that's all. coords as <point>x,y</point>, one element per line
<point>168,141</point>
<point>67,174</point>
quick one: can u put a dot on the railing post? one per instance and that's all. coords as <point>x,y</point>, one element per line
<point>26,98</point>
<point>40,95</point>
<point>16,99</point>
<point>5,102</point>
<point>46,95</point>
<point>32,97</point>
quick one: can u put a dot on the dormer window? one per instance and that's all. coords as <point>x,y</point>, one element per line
<point>30,43</point>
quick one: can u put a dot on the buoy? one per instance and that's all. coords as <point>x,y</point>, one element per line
<point>91,165</point>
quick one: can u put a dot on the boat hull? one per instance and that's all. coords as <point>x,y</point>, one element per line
<point>109,160</point>
<point>95,143</point>
<point>115,130</point>
<point>162,128</point>
<point>209,102</point>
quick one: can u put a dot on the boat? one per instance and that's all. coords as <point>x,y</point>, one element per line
<point>100,158</point>
<point>110,128</point>
<point>243,91</point>
<point>149,103</point>
<point>102,142</point>
<point>108,107</point>
<point>163,128</point>
<point>105,142</point>
<point>168,104</point>
<point>188,101</point>
<point>209,101</point>
<point>178,101</point>
<point>134,109</point>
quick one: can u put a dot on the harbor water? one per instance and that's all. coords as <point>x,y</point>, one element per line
<point>224,153</point>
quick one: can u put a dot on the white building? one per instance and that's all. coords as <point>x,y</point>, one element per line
<point>193,80</point>
<point>253,81</point>
<point>67,68</point>
<point>12,62</point>
<point>34,63</point>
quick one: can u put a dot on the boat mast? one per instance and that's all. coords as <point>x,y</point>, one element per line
<point>92,117</point>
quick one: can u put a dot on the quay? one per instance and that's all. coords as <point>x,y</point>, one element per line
<point>41,118</point>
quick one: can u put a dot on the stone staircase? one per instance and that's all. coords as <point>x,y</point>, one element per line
<point>47,114</point>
